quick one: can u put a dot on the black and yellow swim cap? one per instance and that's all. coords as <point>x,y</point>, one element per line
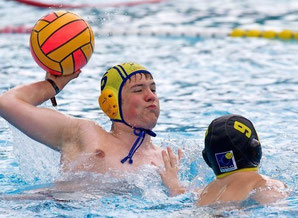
<point>231,143</point>
<point>112,83</point>
<point>111,87</point>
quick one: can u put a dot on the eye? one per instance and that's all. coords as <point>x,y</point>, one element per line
<point>137,89</point>
<point>153,88</point>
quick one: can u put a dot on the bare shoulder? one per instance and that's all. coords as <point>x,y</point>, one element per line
<point>274,183</point>
<point>89,128</point>
<point>267,182</point>
<point>269,190</point>
<point>84,132</point>
<point>88,124</point>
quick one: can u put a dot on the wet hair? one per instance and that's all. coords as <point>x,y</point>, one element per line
<point>147,75</point>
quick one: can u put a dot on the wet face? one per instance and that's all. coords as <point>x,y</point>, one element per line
<point>140,104</point>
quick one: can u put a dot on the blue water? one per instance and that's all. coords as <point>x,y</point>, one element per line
<point>198,79</point>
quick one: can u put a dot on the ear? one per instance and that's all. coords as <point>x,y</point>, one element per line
<point>255,151</point>
<point>254,143</point>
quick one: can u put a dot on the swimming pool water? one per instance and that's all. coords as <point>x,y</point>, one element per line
<point>198,79</point>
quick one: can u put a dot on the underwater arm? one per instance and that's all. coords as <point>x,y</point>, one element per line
<point>169,175</point>
<point>18,107</point>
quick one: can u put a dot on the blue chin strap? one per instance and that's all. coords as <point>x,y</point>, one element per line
<point>141,133</point>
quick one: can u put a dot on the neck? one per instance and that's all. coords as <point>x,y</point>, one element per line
<point>127,136</point>
<point>235,171</point>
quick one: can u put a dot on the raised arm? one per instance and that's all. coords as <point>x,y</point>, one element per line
<point>19,107</point>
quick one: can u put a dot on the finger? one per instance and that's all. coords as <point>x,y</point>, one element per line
<point>172,156</point>
<point>77,73</point>
<point>180,154</point>
<point>73,75</point>
<point>166,159</point>
<point>48,75</point>
<point>51,76</point>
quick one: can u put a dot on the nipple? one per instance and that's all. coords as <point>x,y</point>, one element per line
<point>99,153</point>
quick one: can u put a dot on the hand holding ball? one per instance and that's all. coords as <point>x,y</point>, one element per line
<point>61,43</point>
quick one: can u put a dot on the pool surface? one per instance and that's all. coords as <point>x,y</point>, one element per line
<point>198,79</point>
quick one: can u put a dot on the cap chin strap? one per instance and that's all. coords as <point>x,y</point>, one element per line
<point>141,133</point>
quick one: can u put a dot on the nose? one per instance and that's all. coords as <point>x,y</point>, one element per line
<point>150,96</point>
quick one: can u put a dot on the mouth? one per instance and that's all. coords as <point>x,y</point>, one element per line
<point>152,106</point>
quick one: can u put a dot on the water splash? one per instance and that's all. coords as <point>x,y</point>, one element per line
<point>37,163</point>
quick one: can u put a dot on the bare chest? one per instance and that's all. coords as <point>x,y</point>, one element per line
<point>103,159</point>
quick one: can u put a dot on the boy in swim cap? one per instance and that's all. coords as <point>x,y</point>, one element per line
<point>233,151</point>
<point>128,97</point>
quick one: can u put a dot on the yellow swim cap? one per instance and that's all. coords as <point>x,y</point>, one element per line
<point>111,86</point>
<point>112,83</point>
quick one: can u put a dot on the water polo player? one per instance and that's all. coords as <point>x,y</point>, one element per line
<point>128,97</point>
<point>233,151</point>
